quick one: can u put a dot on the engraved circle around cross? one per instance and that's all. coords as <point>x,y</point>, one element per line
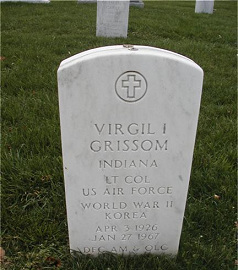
<point>131,86</point>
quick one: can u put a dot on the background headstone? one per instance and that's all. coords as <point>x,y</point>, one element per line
<point>112,18</point>
<point>204,6</point>
<point>137,3</point>
<point>128,123</point>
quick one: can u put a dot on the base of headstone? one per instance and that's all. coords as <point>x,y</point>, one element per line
<point>137,3</point>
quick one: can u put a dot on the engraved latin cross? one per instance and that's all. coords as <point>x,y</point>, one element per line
<point>131,85</point>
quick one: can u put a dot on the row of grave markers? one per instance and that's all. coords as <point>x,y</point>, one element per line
<point>112,16</point>
<point>202,6</point>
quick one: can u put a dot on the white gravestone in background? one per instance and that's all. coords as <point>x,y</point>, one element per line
<point>137,3</point>
<point>128,124</point>
<point>112,18</point>
<point>204,6</point>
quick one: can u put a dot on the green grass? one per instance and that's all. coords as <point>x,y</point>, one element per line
<point>35,39</point>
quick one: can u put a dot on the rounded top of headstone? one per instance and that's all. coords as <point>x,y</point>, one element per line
<point>127,49</point>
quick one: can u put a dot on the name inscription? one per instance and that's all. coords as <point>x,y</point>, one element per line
<point>132,129</point>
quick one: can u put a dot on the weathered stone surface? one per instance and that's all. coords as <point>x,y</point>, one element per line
<point>112,18</point>
<point>204,6</point>
<point>128,122</point>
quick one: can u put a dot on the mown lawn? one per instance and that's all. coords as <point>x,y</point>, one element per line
<point>35,39</point>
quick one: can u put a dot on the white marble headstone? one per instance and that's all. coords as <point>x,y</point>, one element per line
<point>112,18</point>
<point>128,123</point>
<point>204,6</point>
